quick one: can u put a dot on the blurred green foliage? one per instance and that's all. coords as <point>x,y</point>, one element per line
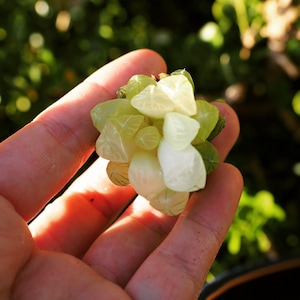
<point>243,51</point>
<point>252,214</point>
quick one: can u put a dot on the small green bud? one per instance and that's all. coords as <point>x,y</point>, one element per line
<point>121,92</point>
<point>162,75</point>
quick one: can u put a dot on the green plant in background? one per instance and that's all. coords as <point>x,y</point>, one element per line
<point>247,229</point>
<point>246,15</point>
<point>248,235</point>
<point>47,47</point>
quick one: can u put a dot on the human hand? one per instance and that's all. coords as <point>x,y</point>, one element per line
<point>76,248</point>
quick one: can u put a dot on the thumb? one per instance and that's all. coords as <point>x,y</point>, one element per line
<point>16,246</point>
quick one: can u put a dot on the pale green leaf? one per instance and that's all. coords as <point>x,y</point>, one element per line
<point>183,170</point>
<point>153,102</point>
<point>179,130</point>
<point>147,138</point>
<point>145,174</point>
<point>111,146</point>
<point>111,108</point>
<point>127,125</point>
<point>186,74</point>
<point>136,84</point>
<point>207,115</point>
<point>180,90</point>
<point>169,202</point>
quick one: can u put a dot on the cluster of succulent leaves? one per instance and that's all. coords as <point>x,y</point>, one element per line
<point>156,137</point>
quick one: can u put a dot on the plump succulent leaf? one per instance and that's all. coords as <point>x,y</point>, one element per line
<point>170,202</point>
<point>210,155</point>
<point>127,125</point>
<point>145,174</point>
<point>183,170</point>
<point>153,102</point>
<point>118,173</point>
<point>111,108</point>
<point>181,92</point>
<point>136,84</point>
<point>147,138</point>
<point>179,130</point>
<point>111,145</point>
<point>186,74</point>
<point>207,116</point>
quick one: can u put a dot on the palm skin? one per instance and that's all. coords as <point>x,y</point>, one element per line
<point>85,245</point>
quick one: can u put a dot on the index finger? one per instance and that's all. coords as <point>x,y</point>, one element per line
<point>38,161</point>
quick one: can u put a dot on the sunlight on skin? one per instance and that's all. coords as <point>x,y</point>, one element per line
<point>58,141</point>
<point>106,201</point>
<point>147,255</point>
<point>139,224</point>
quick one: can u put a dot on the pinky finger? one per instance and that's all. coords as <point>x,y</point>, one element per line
<point>179,266</point>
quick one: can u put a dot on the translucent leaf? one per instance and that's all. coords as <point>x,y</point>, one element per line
<point>180,90</point>
<point>137,83</point>
<point>153,102</point>
<point>210,155</point>
<point>127,125</point>
<point>145,174</point>
<point>112,146</point>
<point>147,138</point>
<point>207,115</point>
<point>183,170</point>
<point>169,202</point>
<point>118,173</point>
<point>186,74</point>
<point>111,108</point>
<point>179,130</point>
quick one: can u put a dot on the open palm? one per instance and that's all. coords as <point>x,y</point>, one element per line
<point>97,240</point>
